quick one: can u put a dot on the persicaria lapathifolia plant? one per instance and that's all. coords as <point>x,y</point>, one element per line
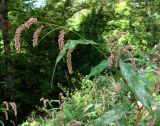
<point>36,35</point>
<point>117,50</point>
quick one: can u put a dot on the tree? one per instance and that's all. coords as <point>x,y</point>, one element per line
<point>5,27</point>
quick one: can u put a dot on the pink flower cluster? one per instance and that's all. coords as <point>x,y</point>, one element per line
<point>19,31</point>
<point>36,35</point>
<point>61,41</point>
<point>69,60</point>
<point>117,50</point>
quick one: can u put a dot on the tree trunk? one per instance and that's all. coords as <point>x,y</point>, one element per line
<point>4,24</point>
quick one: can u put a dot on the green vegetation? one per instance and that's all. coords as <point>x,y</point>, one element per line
<point>80,63</point>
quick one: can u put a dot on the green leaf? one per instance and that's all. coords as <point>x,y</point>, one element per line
<point>98,69</point>
<point>112,115</point>
<point>67,113</point>
<point>136,85</point>
<point>72,44</point>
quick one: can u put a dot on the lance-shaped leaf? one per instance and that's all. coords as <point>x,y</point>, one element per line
<point>136,85</point>
<point>98,69</point>
<point>72,44</point>
<point>112,115</point>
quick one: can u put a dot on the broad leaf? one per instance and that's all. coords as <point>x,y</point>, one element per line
<point>72,44</point>
<point>98,69</point>
<point>112,116</point>
<point>136,85</point>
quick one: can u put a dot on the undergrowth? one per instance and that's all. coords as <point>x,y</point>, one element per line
<point>101,101</point>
